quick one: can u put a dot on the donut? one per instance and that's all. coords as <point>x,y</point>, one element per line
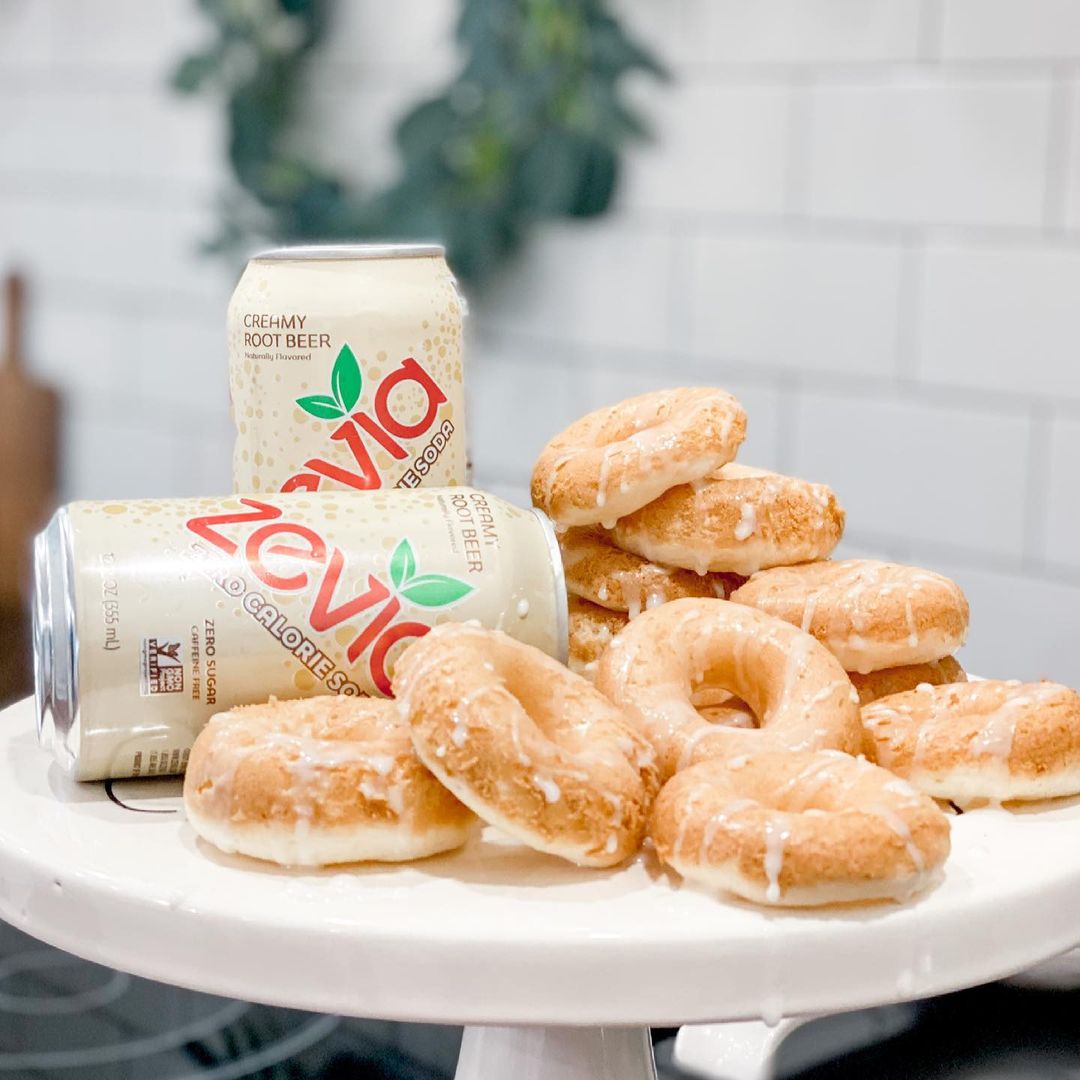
<point>317,781</point>
<point>739,521</point>
<point>528,745</point>
<point>967,742</point>
<point>666,657</point>
<point>617,459</point>
<point>598,571</point>
<point>592,629</point>
<point>870,615</point>
<point>799,829</point>
<point>878,684</point>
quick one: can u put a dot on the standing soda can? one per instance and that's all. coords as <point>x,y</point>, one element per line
<point>152,615</point>
<point>345,370</point>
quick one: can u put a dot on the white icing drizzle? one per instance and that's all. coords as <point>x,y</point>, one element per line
<point>602,475</point>
<point>900,827</point>
<point>999,728</point>
<point>827,692</point>
<point>902,788</point>
<point>692,800</point>
<point>776,837</point>
<point>691,742</point>
<point>630,588</point>
<point>818,771</point>
<point>913,629</point>
<point>548,788</point>
<point>723,816</point>
<point>654,598</point>
<point>747,523</point>
<point>556,465</point>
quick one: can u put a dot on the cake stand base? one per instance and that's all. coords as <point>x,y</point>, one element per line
<point>556,1053</point>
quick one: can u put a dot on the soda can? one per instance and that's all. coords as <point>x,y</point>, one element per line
<point>151,615</point>
<point>345,370</point>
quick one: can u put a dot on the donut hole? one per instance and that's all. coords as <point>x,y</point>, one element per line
<point>717,705</point>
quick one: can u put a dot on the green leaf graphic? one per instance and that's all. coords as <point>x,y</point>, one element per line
<point>402,564</point>
<point>325,408</point>
<point>435,590</point>
<point>346,380</point>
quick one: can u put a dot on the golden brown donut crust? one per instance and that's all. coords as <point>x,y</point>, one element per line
<point>531,747</point>
<point>870,615</point>
<point>616,459</point>
<point>898,680</point>
<point>601,572</point>
<point>320,763</point>
<point>867,836</point>
<point>739,521</point>
<point>986,740</point>
<point>592,629</point>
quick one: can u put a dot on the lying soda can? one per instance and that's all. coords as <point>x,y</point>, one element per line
<point>152,615</point>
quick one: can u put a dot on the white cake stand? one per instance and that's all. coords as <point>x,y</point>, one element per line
<point>563,960</point>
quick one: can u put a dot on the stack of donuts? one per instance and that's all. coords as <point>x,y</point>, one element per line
<point>778,726</point>
<point>651,507</point>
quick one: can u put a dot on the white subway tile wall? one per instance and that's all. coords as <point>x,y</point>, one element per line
<point>862,216</point>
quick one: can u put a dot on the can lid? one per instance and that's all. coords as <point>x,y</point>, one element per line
<point>56,643</point>
<point>349,252</point>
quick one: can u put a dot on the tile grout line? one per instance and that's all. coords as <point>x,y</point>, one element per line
<point>1058,147</point>
<point>834,383</point>
<point>974,559</point>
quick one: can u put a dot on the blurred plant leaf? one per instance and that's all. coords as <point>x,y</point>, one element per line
<point>529,129</point>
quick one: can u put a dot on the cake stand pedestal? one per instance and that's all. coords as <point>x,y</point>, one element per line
<point>568,965</point>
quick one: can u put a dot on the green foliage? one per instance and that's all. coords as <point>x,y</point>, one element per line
<point>345,383</point>
<point>528,130</point>
<point>424,590</point>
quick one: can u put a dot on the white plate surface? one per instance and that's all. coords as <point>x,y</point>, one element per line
<point>496,933</point>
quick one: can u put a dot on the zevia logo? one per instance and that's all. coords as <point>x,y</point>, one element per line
<point>380,425</point>
<point>290,557</point>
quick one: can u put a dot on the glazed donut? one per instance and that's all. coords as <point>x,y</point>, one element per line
<point>799,829</point>
<point>879,684</point>
<point>617,459</point>
<point>531,747</point>
<point>973,741</point>
<point>663,659</point>
<point>598,571</point>
<point>591,631</point>
<point>741,520</point>
<point>317,781</point>
<point>870,615</point>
